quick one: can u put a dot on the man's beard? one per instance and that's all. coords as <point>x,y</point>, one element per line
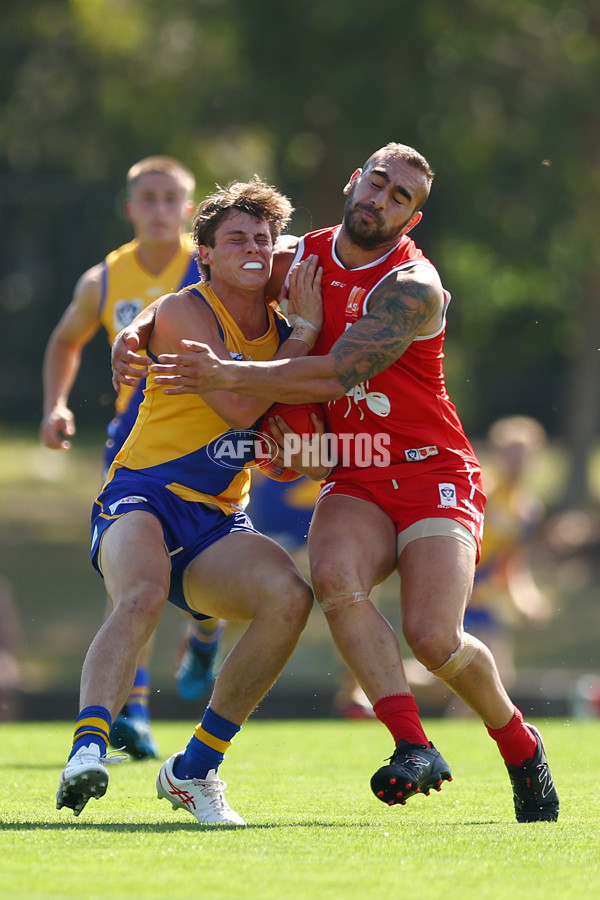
<point>368,235</point>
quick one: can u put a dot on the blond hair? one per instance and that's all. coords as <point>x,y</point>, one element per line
<point>161,165</point>
<point>521,430</point>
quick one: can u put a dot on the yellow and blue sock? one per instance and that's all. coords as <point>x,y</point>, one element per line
<point>204,636</point>
<point>91,727</point>
<point>206,748</point>
<point>136,704</point>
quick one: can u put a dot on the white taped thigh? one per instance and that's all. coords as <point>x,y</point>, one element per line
<point>436,527</point>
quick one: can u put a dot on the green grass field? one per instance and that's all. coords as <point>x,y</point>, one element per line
<point>314,828</point>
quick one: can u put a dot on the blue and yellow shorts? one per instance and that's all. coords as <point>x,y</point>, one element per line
<point>188,528</point>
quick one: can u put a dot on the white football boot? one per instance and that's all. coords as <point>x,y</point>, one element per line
<point>84,776</point>
<point>202,797</point>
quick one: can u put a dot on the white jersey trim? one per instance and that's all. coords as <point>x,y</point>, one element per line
<point>296,259</point>
<point>405,265</point>
<point>370,265</point>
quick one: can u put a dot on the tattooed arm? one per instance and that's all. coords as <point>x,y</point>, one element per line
<point>403,306</point>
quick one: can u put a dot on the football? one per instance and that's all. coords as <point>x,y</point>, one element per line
<point>297,417</point>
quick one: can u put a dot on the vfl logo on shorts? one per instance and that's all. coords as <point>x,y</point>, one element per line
<point>237,356</point>
<point>132,499</point>
<point>447,494</point>
<point>420,453</point>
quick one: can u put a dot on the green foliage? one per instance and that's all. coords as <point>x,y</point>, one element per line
<point>500,96</point>
<point>313,825</point>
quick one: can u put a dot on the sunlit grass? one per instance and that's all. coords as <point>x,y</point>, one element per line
<point>314,828</point>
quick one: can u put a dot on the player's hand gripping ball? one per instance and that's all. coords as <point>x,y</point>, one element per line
<point>296,416</point>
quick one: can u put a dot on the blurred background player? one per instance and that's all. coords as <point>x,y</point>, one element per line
<point>11,639</point>
<point>505,594</point>
<point>283,510</point>
<point>160,258</point>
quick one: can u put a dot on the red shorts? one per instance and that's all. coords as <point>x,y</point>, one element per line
<point>427,495</point>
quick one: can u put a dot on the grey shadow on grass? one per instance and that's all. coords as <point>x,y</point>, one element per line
<point>172,827</point>
<point>39,767</point>
<point>59,766</point>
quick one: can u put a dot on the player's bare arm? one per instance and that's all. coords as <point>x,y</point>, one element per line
<point>76,327</point>
<point>180,314</point>
<point>404,306</point>
<point>128,365</point>
<point>184,372</point>
<point>401,308</point>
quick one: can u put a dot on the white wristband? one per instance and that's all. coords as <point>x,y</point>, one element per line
<point>294,318</point>
<point>306,333</point>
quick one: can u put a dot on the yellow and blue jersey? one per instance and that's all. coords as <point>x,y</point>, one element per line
<point>510,518</point>
<point>126,289</point>
<point>181,442</point>
<point>511,515</point>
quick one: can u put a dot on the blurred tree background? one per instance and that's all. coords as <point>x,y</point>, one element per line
<point>500,95</point>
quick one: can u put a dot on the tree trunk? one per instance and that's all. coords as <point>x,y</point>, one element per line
<point>582,419</point>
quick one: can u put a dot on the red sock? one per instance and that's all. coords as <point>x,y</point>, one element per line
<point>516,742</point>
<point>400,715</point>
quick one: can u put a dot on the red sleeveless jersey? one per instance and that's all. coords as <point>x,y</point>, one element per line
<point>405,408</point>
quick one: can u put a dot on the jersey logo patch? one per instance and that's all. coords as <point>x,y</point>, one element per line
<point>125,312</point>
<point>418,453</point>
<point>447,494</point>
<point>354,302</point>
